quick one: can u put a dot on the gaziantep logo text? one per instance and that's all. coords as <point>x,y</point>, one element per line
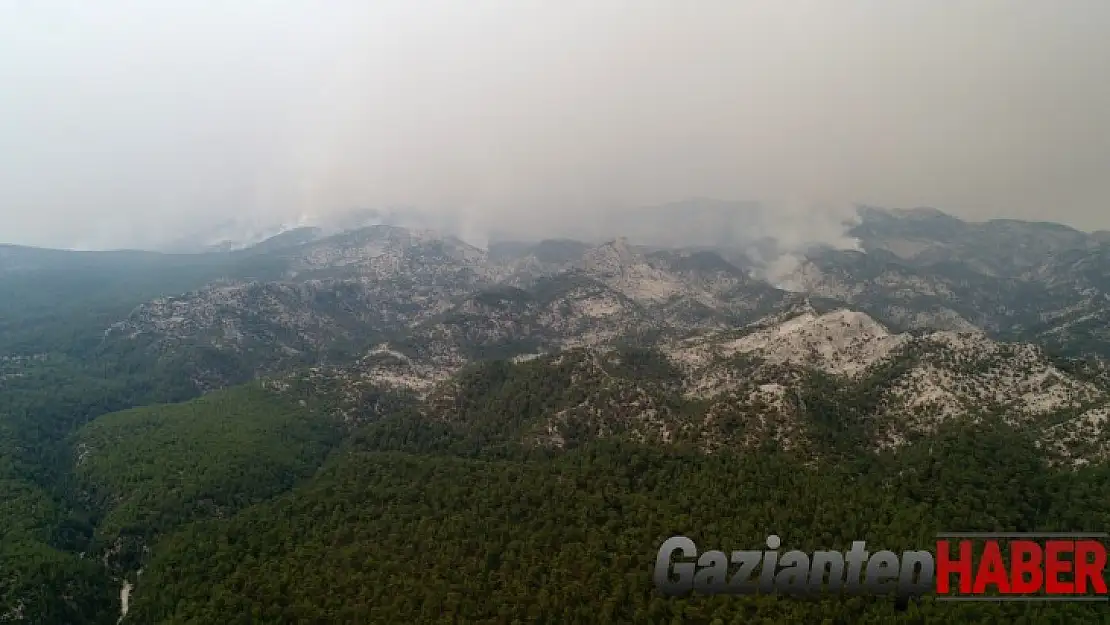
<point>966,567</point>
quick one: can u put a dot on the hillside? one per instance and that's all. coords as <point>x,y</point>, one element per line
<point>571,540</point>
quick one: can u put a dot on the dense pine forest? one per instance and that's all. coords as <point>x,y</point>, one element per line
<point>392,536</point>
<point>253,506</point>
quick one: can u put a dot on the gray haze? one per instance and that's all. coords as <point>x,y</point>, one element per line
<point>129,123</point>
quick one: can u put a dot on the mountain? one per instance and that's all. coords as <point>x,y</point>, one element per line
<point>1000,247</point>
<point>923,269</point>
<point>246,232</point>
<point>231,235</point>
<point>276,432</point>
<point>346,292</point>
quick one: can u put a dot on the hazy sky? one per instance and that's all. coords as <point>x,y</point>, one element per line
<point>125,122</point>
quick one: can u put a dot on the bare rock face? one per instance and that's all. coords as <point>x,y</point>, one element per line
<point>843,342</point>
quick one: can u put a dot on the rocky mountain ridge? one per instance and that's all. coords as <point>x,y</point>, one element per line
<point>929,336</point>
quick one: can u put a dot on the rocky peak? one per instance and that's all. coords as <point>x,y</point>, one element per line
<point>610,257</point>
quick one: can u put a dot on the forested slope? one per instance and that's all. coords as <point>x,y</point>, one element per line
<point>390,537</point>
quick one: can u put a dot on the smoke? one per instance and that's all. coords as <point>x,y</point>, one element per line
<point>796,228</point>
<point>797,225</point>
<point>129,123</point>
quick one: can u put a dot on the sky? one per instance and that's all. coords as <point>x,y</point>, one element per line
<point>127,123</point>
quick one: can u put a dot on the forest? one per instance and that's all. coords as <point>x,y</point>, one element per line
<point>249,506</point>
<point>393,536</point>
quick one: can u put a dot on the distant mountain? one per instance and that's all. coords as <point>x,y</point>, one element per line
<point>1000,247</point>
<point>242,233</point>
<point>288,239</point>
<point>1017,280</point>
<point>229,236</point>
<point>689,223</point>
